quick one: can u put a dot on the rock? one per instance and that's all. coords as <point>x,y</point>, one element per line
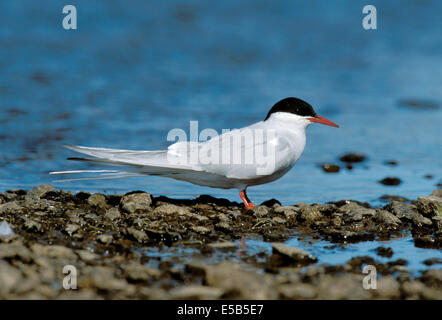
<point>101,278</point>
<point>97,200</point>
<point>139,235</point>
<point>5,229</point>
<point>15,250</point>
<point>238,284</point>
<point>284,255</point>
<point>141,273</point>
<point>272,203</point>
<point>278,220</point>
<point>10,208</point>
<point>387,218</point>
<point>105,238</point>
<point>430,206</point>
<point>223,227</point>
<point>345,286</point>
<point>86,255</point>
<point>200,229</point>
<point>384,252</point>
<point>387,288</point>
<point>227,245</point>
<point>338,235</point>
<point>391,181</point>
<point>297,291</point>
<point>330,168</point>
<point>405,211</point>
<point>430,262</point>
<point>427,241</point>
<point>432,277</point>
<point>136,201</point>
<point>290,212</point>
<point>308,213</point>
<point>54,251</point>
<point>37,192</point>
<point>71,228</point>
<point>196,292</point>
<point>355,212</point>
<point>32,225</point>
<point>352,158</point>
<point>437,221</point>
<point>171,209</point>
<point>112,214</point>
<point>413,289</point>
<point>9,278</point>
<point>259,211</point>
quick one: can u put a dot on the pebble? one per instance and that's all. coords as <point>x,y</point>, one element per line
<point>330,168</point>
<point>136,201</point>
<point>391,181</point>
<point>292,255</point>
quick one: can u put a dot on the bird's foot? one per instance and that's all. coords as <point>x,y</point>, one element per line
<point>249,205</point>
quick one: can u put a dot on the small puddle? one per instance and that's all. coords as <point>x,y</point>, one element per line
<point>253,252</point>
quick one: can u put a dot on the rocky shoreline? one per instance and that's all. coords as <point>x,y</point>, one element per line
<point>106,238</point>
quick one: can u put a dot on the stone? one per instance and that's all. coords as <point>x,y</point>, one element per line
<point>86,255</point>
<point>308,213</point>
<point>297,291</point>
<point>10,208</point>
<point>136,201</point>
<point>140,273</point>
<point>391,181</point>
<point>71,228</point>
<point>259,211</point>
<point>105,238</point>
<point>330,168</point>
<point>101,278</point>
<point>387,288</point>
<point>97,200</point>
<point>37,192</point>
<point>200,229</point>
<point>171,209</point>
<point>290,212</point>
<point>430,206</point>
<point>238,284</point>
<point>32,225</point>
<point>387,218</point>
<point>54,251</point>
<point>409,212</point>
<point>15,250</point>
<point>5,229</point>
<point>9,278</point>
<point>196,292</point>
<point>139,235</point>
<point>291,255</point>
<point>112,214</point>
<point>352,208</point>
<point>223,227</point>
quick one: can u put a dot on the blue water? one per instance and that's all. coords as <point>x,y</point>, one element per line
<point>133,70</point>
<point>403,248</point>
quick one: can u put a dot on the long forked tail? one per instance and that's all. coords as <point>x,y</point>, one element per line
<point>138,163</point>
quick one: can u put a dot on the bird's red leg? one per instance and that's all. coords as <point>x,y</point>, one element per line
<point>247,203</point>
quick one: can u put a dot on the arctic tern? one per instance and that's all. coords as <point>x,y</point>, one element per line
<point>262,152</point>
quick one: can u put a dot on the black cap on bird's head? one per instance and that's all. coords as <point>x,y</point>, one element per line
<point>301,108</point>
